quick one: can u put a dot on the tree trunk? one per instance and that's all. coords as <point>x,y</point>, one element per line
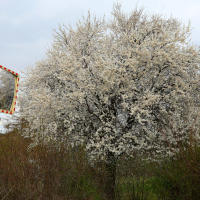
<point>110,180</point>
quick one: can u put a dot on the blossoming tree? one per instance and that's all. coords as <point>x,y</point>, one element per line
<point>112,85</point>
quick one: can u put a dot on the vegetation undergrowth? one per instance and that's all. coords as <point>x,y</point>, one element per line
<point>46,173</point>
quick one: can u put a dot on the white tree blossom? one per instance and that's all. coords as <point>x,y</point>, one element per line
<point>113,85</point>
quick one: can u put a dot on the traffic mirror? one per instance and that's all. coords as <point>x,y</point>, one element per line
<point>9,82</point>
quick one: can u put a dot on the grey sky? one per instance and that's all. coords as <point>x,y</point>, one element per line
<point>27,26</point>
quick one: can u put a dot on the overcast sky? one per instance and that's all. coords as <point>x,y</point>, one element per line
<point>27,26</point>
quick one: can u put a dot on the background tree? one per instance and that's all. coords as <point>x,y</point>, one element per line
<point>112,85</point>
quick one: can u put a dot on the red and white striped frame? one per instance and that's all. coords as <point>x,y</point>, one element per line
<point>16,75</point>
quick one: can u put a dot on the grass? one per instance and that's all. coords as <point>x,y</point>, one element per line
<point>142,190</point>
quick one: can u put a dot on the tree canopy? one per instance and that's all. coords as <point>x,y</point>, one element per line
<point>112,85</point>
